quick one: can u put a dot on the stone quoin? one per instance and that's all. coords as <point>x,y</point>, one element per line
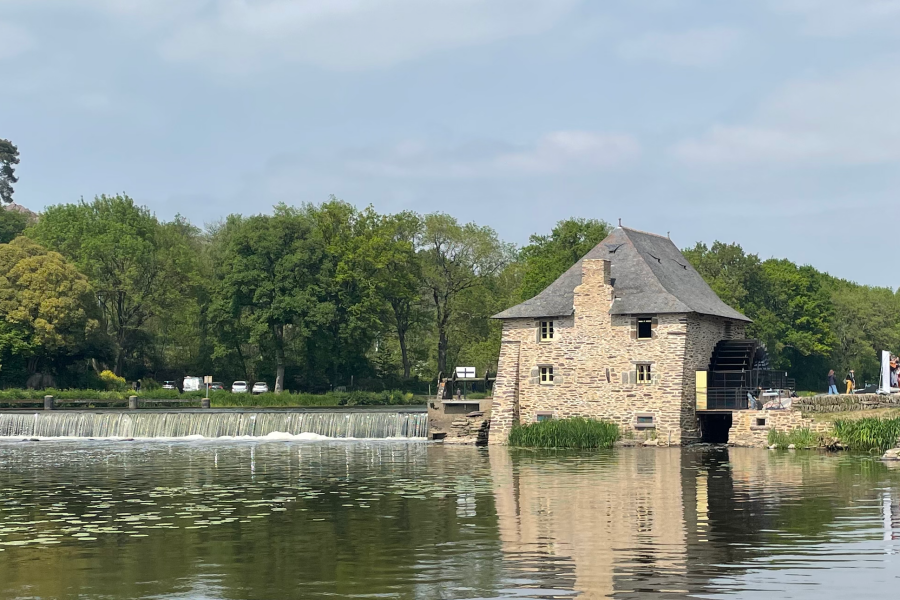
<point>618,337</point>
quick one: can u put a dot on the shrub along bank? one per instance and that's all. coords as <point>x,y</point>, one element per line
<point>868,434</point>
<point>576,433</point>
<point>226,398</point>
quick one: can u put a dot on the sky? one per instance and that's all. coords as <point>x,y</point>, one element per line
<point>771,123</point>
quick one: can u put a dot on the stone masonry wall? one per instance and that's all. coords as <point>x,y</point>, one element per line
<point>505,408</point>
<point>703,333</point>
<point>594,358</point>
<point>845,402</point>
<point>746,432</point>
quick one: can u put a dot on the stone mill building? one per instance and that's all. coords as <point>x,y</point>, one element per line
<point>620,336</point>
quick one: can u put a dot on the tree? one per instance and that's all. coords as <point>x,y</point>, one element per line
<point>138,269</point>
<point>46,305</point>
<point>737,277</point>
<point>9,158</point>
<point>456,258</point>
<point>269,278</point>
<point>385,252</point>
<point>12,223</point>
<point>549,256</point>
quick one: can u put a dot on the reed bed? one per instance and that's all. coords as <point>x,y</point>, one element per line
<point>800,438</point>
<point>575,433</point>
<point>868,434</point>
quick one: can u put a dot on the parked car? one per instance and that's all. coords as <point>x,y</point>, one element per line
<point>260,387</point>
<point>216,385</point>
<point>240,387</point>
<point>169,385</point>
<point>192,384</point>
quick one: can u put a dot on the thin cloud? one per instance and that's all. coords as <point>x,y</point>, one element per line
<point>351,34</point>
<point>556,153</point>
<point>694,48</point>
<point>14,40</point>
<point>850,119</point>
<point>838,18</point>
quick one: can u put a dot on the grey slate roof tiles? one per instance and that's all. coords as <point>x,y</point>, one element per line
<point>649,276</point>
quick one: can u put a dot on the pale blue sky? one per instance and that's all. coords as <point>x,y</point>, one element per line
<point>772,123</point>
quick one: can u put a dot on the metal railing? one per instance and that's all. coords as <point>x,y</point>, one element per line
<point>727,398</point>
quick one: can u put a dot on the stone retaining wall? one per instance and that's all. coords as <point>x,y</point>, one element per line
<point>750,428</point>
<point>845,402</point>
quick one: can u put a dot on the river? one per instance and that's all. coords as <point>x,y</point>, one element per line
<point>283,519</point>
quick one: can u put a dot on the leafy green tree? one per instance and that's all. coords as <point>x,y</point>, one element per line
<point>12,224</point>
<point>737,277</point>
<point>384,251</point>
<point>138,269</point>
<point>9,158</point>
<point>269,279</point>
<point>549,256</point>
<point>46,305</point>
<point>456,258</point>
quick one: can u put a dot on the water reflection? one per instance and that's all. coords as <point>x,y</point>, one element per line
<point>416,520</point>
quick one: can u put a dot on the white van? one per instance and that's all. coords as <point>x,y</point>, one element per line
<point>192,384</point>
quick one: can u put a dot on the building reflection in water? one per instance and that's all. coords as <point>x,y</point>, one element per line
<point>667,523</point>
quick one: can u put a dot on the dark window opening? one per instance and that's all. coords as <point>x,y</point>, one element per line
<point>544,416</point>
<point>645,420</point>
<point>644,328</point>
<point>760,422</point>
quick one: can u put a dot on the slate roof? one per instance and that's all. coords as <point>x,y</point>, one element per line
<point>649,275</point>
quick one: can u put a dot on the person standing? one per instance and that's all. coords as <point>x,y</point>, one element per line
<point>832,383</point>
<point>851,381</point>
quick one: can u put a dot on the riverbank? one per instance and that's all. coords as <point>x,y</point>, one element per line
<point>218,399</point>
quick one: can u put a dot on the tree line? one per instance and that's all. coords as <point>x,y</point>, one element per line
<point>316,297</point>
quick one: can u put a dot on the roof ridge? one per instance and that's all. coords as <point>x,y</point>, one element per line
<point>665,237</point>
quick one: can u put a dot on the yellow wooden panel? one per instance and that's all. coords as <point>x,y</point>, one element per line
<point>701,390</point>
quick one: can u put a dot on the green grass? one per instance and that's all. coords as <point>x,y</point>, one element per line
<point>225,398</point>
<point>870,434</point>
<point>800,438</point>
<point>577,433</point>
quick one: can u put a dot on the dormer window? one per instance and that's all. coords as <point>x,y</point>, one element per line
<point>644,328</point>
<point>546,331</point>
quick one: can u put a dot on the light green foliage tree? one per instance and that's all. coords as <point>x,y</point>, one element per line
<point>9,158</point>
<point>45,304</point>
<point>139,269</point>
<point>455,259</point>
<point>547,257</point>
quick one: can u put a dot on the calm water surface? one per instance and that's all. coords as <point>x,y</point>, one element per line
<point>261,520</point>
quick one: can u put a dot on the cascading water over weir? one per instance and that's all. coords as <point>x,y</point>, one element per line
<point>214,424</point>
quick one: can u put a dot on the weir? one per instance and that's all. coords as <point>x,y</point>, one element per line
<point>212,424</point>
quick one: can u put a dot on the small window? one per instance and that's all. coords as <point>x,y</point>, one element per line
<point>643,374</point>
<point>644,328</point>
<point>760,422</point>
<point>546,375</point>
<point>543,416</point>
<point>546,330</point>
<point>645,421</point>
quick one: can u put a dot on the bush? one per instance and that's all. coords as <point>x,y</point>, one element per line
<point>868,434</point>
<point>577,433</point>
<point>800,438</point>
<point>224,398</point>
<point>112,381</point>
<point>149,384</point>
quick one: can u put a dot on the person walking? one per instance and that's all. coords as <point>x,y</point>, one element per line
<point>832,383</point>
<point>851,381</point>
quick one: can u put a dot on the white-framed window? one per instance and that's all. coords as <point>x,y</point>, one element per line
<point>546,375</point>
<point>643,374</point>
<point>546,331</point>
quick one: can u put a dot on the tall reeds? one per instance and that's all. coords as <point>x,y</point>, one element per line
<point>576,433</point>
<point>868,434</point>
